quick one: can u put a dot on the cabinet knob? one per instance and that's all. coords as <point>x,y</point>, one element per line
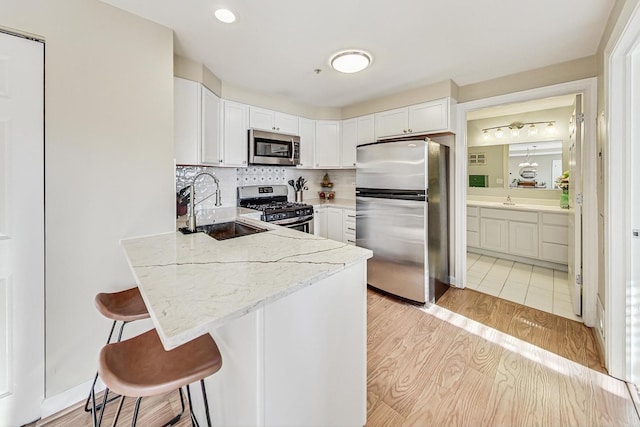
<point>404,131</point>
<point>273,128</point>
<point>220,161</point>
<point>354,164</point>
<point>244,162</point>
<point>410,131</point>
<point>277,128</point>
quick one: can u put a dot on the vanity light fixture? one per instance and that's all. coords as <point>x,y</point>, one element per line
<point>516,127</point>
<point>350,61</point>
<point>225,15</point>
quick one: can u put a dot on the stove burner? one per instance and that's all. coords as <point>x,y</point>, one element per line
<point>271,206</point>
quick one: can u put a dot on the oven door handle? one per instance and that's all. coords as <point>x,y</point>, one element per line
<point>293,221</point>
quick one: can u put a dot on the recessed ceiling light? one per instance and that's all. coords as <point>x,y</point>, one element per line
<point>350,61</point>
<point>225,15</point>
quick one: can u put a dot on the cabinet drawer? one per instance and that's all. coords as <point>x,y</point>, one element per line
<point>511,215</point>
<point>473,223</point>
<point>555,219</point>
<point>472,211</point>
<point>473,238</point>
<point>555,234</point>
<point>554,252</point>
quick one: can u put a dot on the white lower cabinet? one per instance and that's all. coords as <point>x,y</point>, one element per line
<point>320,221</point>
<point>493,234</point>
<point>519,233</point>
<point>523,238</point>
<point>349,226</point>
<point>334,224</point>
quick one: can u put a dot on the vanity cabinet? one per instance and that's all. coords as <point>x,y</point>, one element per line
<point>554,238</point>
<point>525,235</point>
<point>428,117</point>
<point>273,121</point>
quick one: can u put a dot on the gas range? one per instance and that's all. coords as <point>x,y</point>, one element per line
<point>272,201</point>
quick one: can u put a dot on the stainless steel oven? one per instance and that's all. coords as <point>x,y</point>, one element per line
<point>269,148</point>
<point>271,200</point>
<point>304,224</point>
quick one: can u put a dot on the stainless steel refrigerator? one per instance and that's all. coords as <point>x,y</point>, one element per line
<point>402,215</point>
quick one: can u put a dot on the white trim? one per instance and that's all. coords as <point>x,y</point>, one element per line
<point>588,87</point>
<point>59,402</point>
<point>621,122</point>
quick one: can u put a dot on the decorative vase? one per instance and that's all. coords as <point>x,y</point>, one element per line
<point>564,199</point>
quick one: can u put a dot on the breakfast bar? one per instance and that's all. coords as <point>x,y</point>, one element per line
<point>287,309</point>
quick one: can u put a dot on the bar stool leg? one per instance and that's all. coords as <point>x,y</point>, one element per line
<point>117,415</point>
<point>206,403</point>
<point>95,378</point>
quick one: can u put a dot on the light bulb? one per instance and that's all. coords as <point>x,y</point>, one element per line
<point>225,15</point>
<point>515,132</point>
<point>533,130</point>
<point>485,135</point>
<point>551,130</point>
<point>499,133</point>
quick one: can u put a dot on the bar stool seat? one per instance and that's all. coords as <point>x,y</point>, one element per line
<point>141,367</point>
<point>122,306</point>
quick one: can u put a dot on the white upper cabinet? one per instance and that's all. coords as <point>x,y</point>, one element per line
<point>327,148</point>
<point>211,112</point>
<point>428,117</point>
<point>349,142</point>
<point>235,133</point>
<point>359,130</point>
<point>187,119</point>
<point>392,122</point>
<point>307,142</point>
<point>273,121</point>
<point>197,118</point>
<point>366,129</point>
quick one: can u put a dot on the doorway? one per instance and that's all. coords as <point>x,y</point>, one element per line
<point>518,237</point>
<point>21,229</point>
<point>587,88</point>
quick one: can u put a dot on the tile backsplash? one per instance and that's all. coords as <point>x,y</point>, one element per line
<point>231,178</point>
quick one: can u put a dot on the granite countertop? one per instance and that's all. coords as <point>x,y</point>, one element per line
<point>194,283</point>
<point>339,203</point>
<point>518,206</point>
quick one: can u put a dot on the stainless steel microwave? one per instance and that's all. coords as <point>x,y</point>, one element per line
<point>269,148</point>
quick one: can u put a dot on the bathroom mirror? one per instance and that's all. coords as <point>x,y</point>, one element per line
<point>531,165</point>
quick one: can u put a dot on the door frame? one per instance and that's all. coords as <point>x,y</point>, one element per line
<point>588,87</point>
<point>621,68</point>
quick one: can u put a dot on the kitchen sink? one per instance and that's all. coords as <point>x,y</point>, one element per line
<point>226,230</point>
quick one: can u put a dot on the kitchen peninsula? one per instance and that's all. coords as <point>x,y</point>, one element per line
<point>287,309</point>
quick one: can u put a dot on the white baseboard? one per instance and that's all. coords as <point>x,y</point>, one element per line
<point>78,394</point>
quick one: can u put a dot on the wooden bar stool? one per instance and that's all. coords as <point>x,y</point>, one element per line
<point>123,306</point>
<point>140,367</point>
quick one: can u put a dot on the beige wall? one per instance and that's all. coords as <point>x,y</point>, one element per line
<point>558,73</point>
<point>109,162</point>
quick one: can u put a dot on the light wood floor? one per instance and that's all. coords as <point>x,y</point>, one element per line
<point>471,360</point>
<point>431,366</point>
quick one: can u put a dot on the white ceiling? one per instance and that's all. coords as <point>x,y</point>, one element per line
<point>275,45</point>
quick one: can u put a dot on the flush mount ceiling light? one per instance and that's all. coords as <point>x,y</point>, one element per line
<point>225,15</point>
<point>350,61</point>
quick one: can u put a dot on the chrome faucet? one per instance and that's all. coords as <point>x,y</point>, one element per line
<point>509,202</point>
<point>191,223</point>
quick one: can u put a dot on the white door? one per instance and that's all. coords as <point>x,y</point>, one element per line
<point>575,205</point>
<point>21,230</point>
